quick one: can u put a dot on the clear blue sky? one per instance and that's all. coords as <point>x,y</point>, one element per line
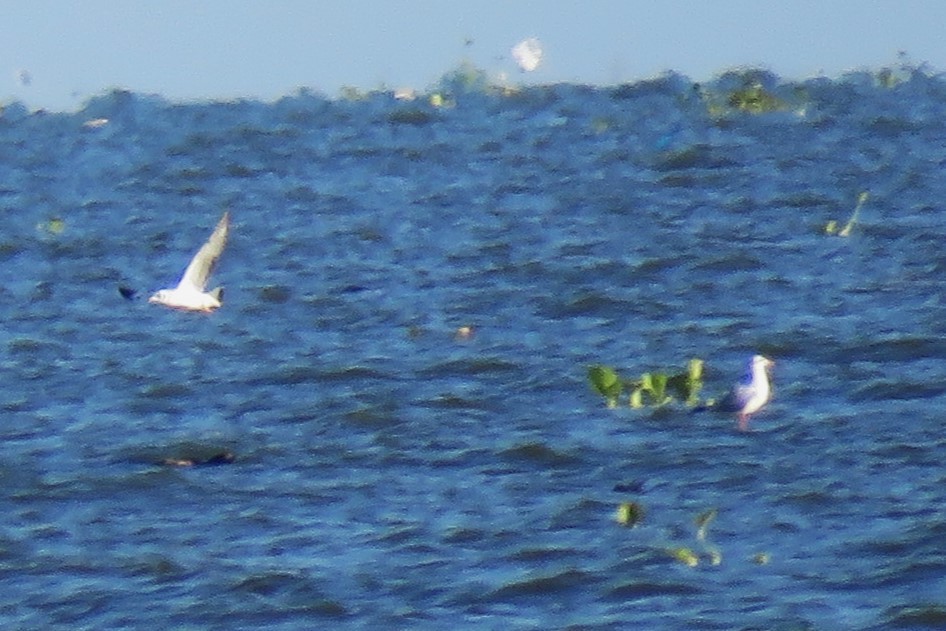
<point>220,49</point>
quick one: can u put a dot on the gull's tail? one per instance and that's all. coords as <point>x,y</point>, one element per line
<point>217,293</point>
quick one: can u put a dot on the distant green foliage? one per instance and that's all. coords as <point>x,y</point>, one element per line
<point>754,99</point>
<point>464,79</point>
<point>904,70</point>
<point>750,91</point>
<point>652,389</point>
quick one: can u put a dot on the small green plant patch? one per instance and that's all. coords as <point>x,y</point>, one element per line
<point>652,389</point>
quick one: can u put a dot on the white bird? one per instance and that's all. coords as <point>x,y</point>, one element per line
<point>752,393</point>
<point>190,294</point>
<point>528,54</point>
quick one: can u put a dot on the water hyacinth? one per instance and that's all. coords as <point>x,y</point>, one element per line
<point>685,556</point>
<point>607,383</point>
<point>651,389</point>
<point>629,514</point>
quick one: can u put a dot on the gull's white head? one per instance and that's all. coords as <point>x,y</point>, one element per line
<point>159,297</point>
<point>761,363</point>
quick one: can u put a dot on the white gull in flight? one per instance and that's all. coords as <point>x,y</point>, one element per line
<point>190,294</point>
<point>752,393</point>
<point>528,54</point>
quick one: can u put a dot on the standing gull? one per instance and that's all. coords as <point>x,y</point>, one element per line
<point>190,293</point>
<point>751,393</point>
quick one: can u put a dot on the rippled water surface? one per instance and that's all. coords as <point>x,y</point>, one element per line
<point>391,473</point>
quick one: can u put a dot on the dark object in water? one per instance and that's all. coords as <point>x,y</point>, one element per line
<point>224,457</point>
<point>127,292</point>
<point>633,486</point>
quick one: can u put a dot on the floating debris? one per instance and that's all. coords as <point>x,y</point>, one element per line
<point>224,457</point>
<point>54,226</point>
<point>128,293</point>
<point>832,226</point>
<point>703,521</point>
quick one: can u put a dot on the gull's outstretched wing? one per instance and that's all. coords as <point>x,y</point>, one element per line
<point>203,263</point>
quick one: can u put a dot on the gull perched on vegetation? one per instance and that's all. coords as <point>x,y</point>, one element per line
<point>190,293</point>
<point>751,393</point>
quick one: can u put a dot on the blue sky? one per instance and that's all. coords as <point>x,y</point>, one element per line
<point>223,49</point>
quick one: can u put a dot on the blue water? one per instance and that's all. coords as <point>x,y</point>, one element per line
<point>390,473</point>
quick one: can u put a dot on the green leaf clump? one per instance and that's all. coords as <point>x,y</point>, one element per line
<point>629,514</point>
<point>750,91</point>
<point>651,389</point>
<point>685,556</point>
<point>688,384</point>
<point>607,383</point>
<point>754,99</point>
<point>654,386</point>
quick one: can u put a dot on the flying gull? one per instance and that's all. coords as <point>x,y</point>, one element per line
<point>190,294</point>
<point>528,54</point>
<point>751,393</point>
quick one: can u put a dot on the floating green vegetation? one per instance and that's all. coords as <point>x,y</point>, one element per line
<point>685,556</point>
<point>629,514</point>
<point>754,99</point>
<point>464,79</point>
<point>351,93</point>
<point>54,226</point>
<point>904,70</point>
<point>653,386</point>
<point>689,556</point>
<point>832,226</point>
<point>752,91</point>
<point>652,389</point>
<point>607,383</point>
